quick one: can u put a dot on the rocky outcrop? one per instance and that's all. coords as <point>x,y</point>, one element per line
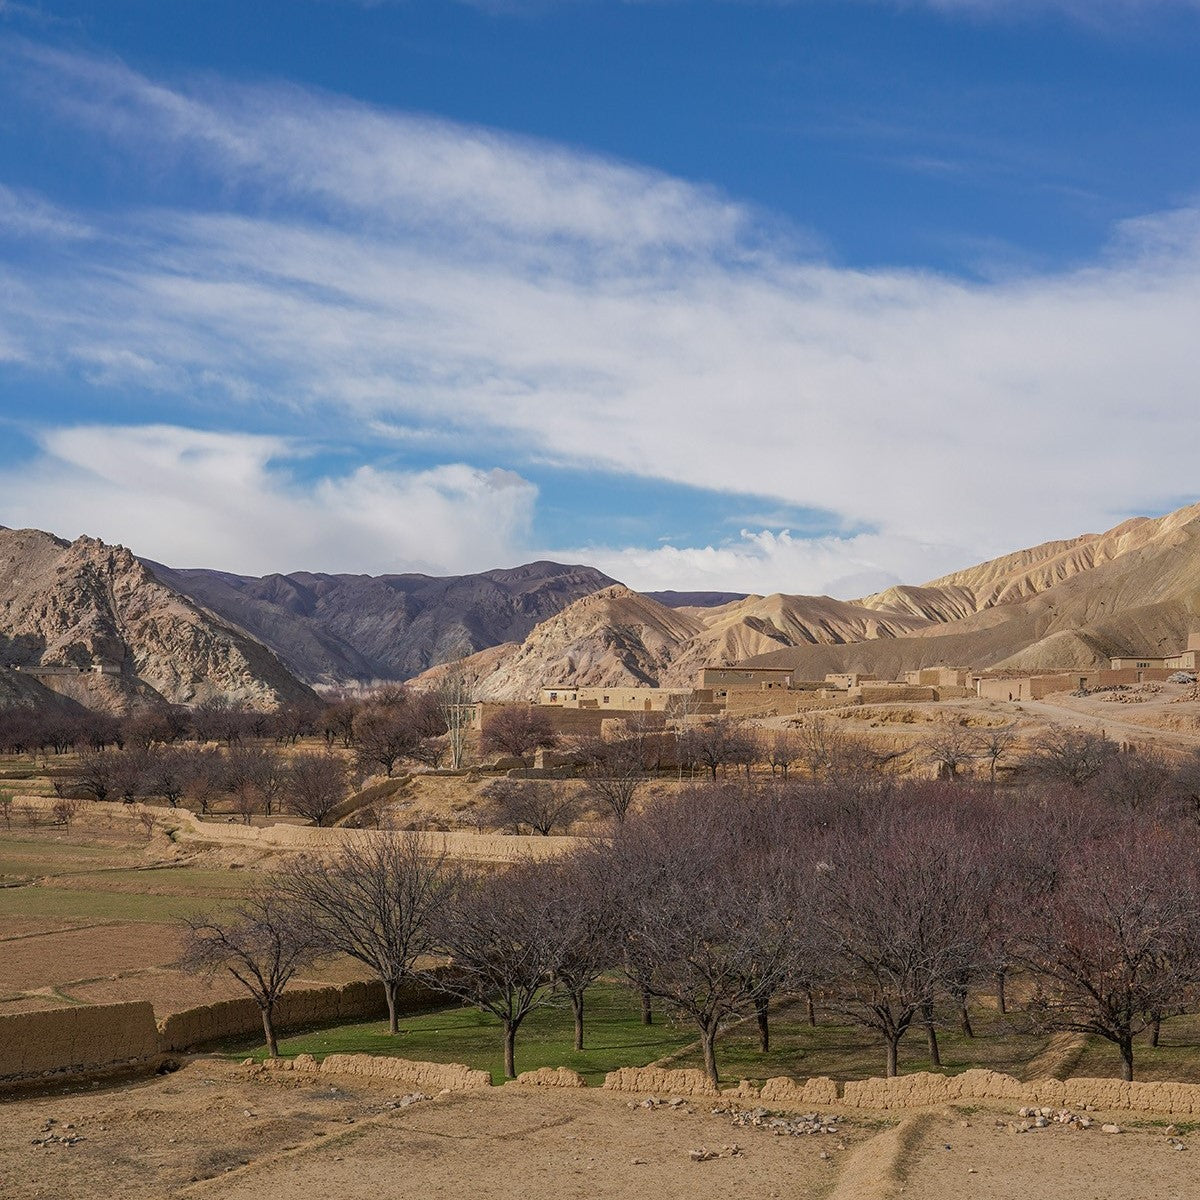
<point>88,621</point>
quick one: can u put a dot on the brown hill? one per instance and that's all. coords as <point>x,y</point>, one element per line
<point>1075,603</point>
<point>618,638</point>
<point>1134,589</point>
<point>89,622</point>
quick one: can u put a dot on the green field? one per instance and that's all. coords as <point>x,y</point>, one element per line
<point>613,1036</point>
<point>65,903</point>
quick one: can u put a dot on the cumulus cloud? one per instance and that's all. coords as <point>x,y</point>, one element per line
<point>193,498</point>
<point>348,263</point>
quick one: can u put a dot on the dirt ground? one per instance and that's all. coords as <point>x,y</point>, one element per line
<point>977,1155</point>
<point>215,1129</point>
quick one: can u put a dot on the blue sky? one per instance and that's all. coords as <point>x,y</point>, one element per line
<point>810,296</point>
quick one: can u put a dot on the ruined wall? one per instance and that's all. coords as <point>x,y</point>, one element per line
<point>79,1040</point>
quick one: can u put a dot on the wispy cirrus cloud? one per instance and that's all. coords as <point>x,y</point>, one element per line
<point>339,262</point>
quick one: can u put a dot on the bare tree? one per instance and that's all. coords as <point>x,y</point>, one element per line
<point>505,948</point>
<point>1115,942</point>
<point>517,729</point>
<point>257,776</point>
<point>456,703</point>
<point>267,940</point>
<point>6,808</point>
<point>97,769</point>
<point>64,811</point>
<point>615,770</point>
<point>687,928</point>
<point>383,735</point>
<point>950,747</point>
<point>719,743</point>
<point>582,910</point>
<point>782,750</point>
<point>539,805</point>
<point>900,919</point>
<point>378,901</point>
<point>202,769</point>
<point>1072,756</point>
<point>993,745</point>
<point>1137,779</point>
<point>317,784</point>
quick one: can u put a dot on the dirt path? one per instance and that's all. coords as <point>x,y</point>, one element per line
<point>1061,714</point>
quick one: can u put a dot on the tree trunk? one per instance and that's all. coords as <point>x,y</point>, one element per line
<point>269,1032</point>
<point>1126,1045</point>
<point>391,987</point>
<point>1155,1029</point>
<point>935,1058</point>
<point>577,1005</point>
<point>761,1004</point>
<point>647,1013</point>
<point>708,1039</point>
<point>1001,996</point>
<point>964,1019</point>
<point>893,1054</point>
<point>510,1043</point>
<point>811,1007</point>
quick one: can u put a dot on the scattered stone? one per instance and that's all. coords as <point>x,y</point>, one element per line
<point>1110,1129</point>
<point>777,1124</point>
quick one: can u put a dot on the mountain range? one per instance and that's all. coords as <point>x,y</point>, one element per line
<point>86,623</point>
<point>1075,603</point>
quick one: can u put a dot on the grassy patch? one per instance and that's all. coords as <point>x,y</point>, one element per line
<point>613,1036</point>
<point>72,903</point>
<point>846,1051</point>
<point>1175,1058</point>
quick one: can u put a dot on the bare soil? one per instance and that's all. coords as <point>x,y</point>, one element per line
<point>978,1156</point>
<point>213,1129</point>
<point>216,1129</point>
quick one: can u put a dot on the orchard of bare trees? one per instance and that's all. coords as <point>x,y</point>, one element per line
<point>900,914</point>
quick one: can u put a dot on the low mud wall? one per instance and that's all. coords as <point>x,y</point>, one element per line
<point>88,1039</point>
<point>670,1082</point>
<point>304,1007</point>
<point>923,1090</point>
<point>187,826</point>
<point>97,1038</point>
<point>428,1076</point>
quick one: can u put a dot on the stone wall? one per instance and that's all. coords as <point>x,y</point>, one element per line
<point>73,1041</point>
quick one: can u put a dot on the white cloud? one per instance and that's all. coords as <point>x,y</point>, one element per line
<point>359,265</point>
<point>766,561</point>
<point>190,498</point>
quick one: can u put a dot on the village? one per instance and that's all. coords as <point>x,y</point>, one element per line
<point>756,692</point>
